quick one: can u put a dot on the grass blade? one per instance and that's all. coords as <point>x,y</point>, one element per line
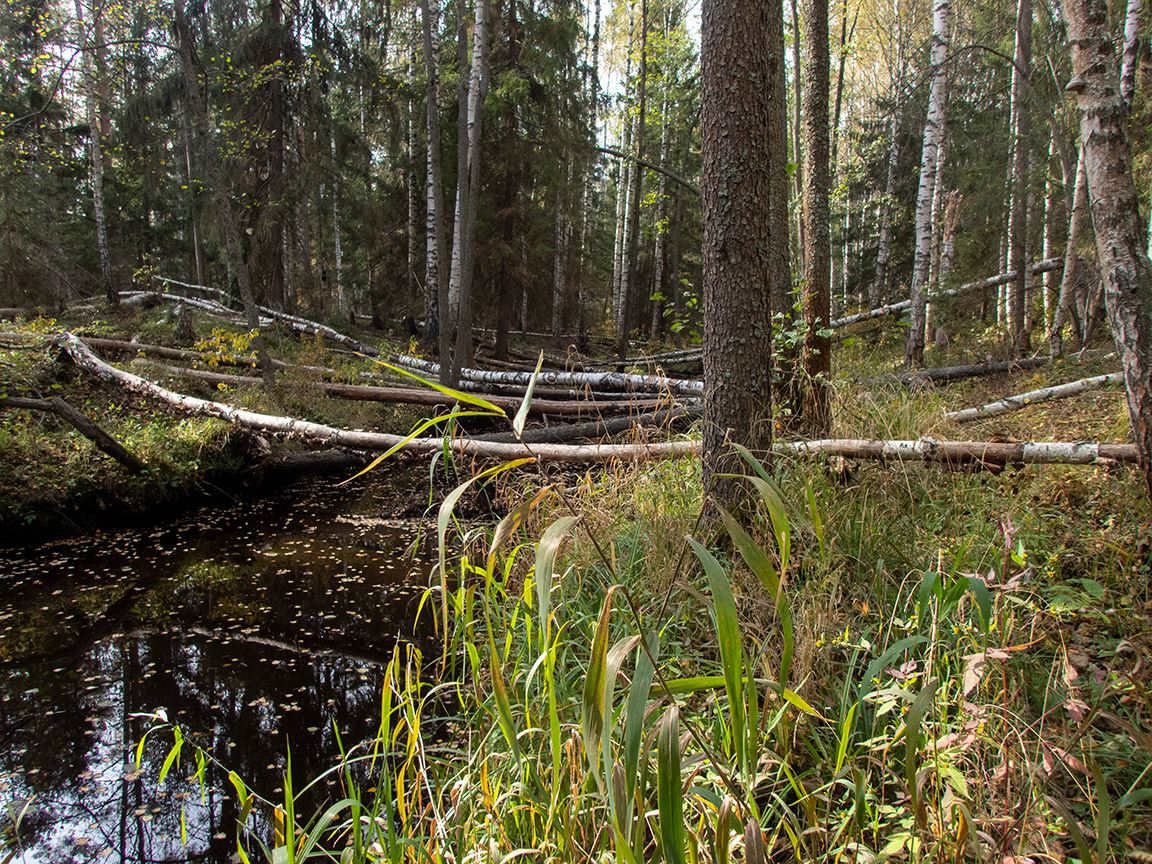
<point>759,563</point>
<point>546,551</point>
<point>415,433</point>
<point>731,647</point>
<point>669,792</point>
<point>637,703</point>
<point>522,414</point>
<point>592,713</point>
<point>457,395</point>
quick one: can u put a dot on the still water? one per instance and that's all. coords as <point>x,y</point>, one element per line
<point>254,626</point>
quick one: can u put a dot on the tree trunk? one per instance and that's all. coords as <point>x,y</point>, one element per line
<point>1044,394</point>
<point>938,196</point>
<point>215,171</point>
<point>813,408</point>
<point>1120,240</point>
<point>659,295</point>
<point>96,157</point>
<point>411,179</point>
<point>435,274</point>
<point>628,290</point>
<point>1066,308</point>
<point>941,27</point>
<point>884,250</point>
<point>477,89</point>
<point>1131,52</point>
<point>737,56</point>
<point>1021,78</point>
<point>797,127</point>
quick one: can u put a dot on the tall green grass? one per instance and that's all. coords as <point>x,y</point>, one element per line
<point>604,720</point>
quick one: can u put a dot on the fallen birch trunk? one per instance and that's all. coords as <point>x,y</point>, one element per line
<point>373,441</point>
<point>1044,394</point>
<point>417,396</point>
<point>81,423</point>
<point>957,373</point>
<point>607,381</point>
<point>992,281</point>
<point>961,452</point>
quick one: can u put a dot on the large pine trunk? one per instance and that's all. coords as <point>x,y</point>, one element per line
<point>941,27</point>
<point>1120,240</point>
<point>736,186</point>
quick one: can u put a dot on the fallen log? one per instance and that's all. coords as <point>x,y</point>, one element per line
<point>990,282</point>
<point>81,423</point>
<point>417,396</point>
<point>960,452</point>
<point>597,429</point>
<point>605,381</point>
<point>1044,394</point>
<point>957,373</point>
<point>373,441</point>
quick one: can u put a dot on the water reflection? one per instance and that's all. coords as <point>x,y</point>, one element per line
<point>253,626</point>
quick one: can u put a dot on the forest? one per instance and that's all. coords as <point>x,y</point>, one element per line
<point>639,430</point>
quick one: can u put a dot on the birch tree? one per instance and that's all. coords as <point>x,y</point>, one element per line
<point>1120,240</point>
<point>941,29</point>
<point>1021,75</point>
<point>435,275</point>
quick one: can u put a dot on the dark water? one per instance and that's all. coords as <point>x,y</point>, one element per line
<point>252,626</point>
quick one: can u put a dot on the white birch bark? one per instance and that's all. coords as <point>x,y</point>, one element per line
<point>1044,394</point>
<point>928,450</point>
<point>1131,52</point>
<point>990,282</point>
<point>941,29</point>
<point>937,231</point>
<point>374,441</point>
<point>1021,75</point>
<point>341,302</point>
<point>413,203</point>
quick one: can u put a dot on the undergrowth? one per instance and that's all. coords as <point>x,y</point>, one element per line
<point>869,664</point>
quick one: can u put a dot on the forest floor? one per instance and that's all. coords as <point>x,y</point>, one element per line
<point>965,653</point>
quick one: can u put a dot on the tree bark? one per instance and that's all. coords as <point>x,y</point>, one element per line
<point>941,27</point>
<point>1131,52</point>
<point>737,53</point>
<point>1021,83</point>
<point>813,405</point>
<point>436,332</point>
<point>879,287</point>
<point>1120,240</point>
<point>633,234</point>
<point>1066,307</point>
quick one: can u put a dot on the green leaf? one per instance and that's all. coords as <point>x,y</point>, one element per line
<point>503,705</point>
<point>638,694</point>
<point>415,433</point>
<point>913,720</point>
<point>522,414</point>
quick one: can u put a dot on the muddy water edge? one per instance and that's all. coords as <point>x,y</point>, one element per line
<point>257,626</point>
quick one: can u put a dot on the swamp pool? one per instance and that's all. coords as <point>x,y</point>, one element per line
<point>254,626</point>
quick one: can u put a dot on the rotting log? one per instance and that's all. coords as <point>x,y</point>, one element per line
<point>81,423</point>
<point>417,396</point>
<point>373,441</point>
<point>1044,394</point>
